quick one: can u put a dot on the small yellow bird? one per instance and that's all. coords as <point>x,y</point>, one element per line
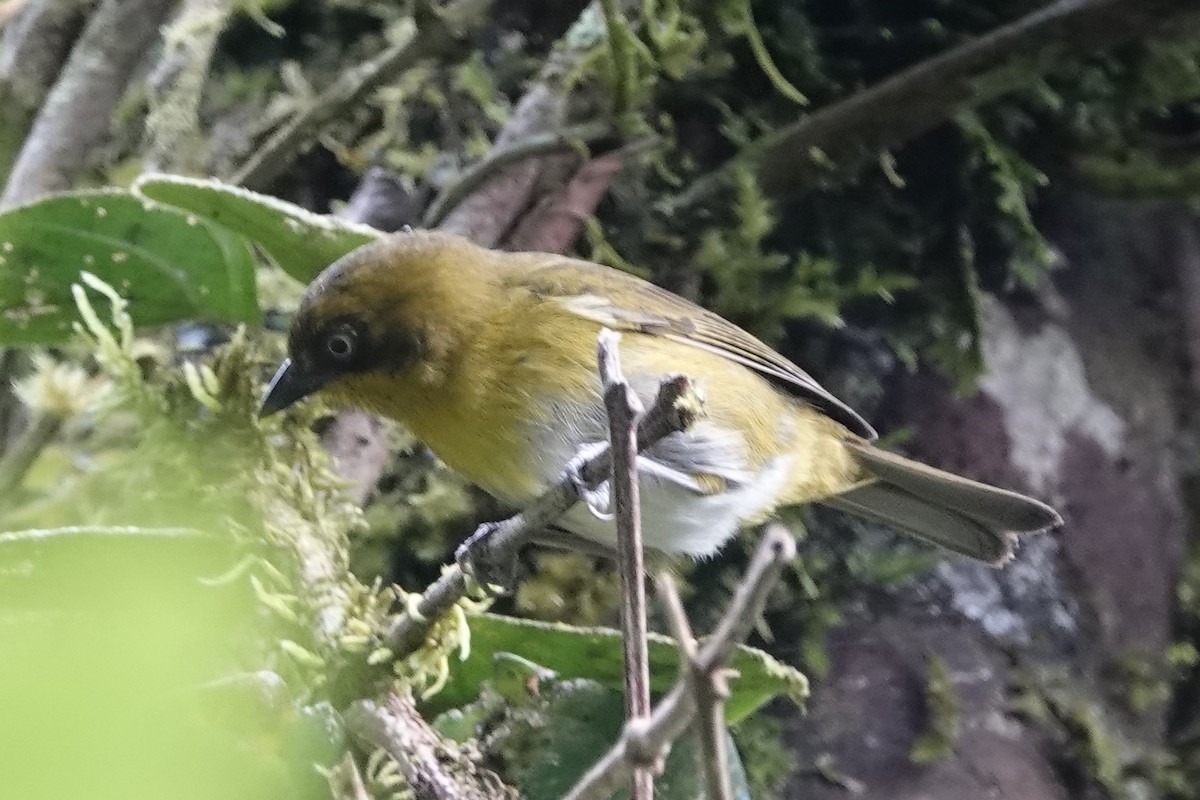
<point>490,359</point>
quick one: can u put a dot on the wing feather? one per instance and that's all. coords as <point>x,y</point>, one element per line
<point>587,290</point>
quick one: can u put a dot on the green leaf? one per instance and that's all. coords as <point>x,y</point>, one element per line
<point>595,653</point>
<point>168,264</point>
<point>553,730</point>
<point>300,242</point>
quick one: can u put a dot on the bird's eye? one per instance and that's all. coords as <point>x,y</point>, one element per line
<point>340,344</point>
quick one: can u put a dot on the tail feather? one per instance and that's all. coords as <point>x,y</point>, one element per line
<point>965,516</point>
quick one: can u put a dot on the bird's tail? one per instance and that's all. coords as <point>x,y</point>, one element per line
<point>962,515</point>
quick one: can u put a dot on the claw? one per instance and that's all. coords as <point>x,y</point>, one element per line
<point>598,499</point>
<point>473,559</point>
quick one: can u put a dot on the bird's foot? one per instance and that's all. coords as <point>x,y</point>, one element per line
<point>598,499</point>
<point>494,572</point>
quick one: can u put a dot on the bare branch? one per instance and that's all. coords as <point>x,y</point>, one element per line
<point>76,115</point>
<point>32,51</point>
<point>554,223</point>
<point>676,711</point>
<point>624,409</point>
<point>499,158</point>
<point>916,100</point>
<point>674,409</point>
<point>438,35</point>
<point>435,767</point>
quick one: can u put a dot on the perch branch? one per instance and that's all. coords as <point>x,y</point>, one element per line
<point>915,100</point>
<point>434,767</point>
<point>624,409</point>
<point>674,713</point>
<point>674,409</point>
<point>77,113</point>
<point>439,34</point>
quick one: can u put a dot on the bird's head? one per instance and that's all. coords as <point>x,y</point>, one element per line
<point>382,321</point>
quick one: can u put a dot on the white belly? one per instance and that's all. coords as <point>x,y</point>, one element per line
<point>677,519</point>
<point>678,516</point>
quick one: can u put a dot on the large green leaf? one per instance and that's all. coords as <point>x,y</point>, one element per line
<point>595,653</point>
<point>169,265</point>
<point>300,242</point>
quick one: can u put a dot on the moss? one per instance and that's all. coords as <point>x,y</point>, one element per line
<point>943,715</point>
<point>767,760</point>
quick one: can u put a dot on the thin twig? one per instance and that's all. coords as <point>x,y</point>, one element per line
<point>537,145</point>
<point>439,34</point>
<point>77,113</point>
<point>674,409</point>
<point>675,712</point>
<point>624,409</point>
<point>710,691</point>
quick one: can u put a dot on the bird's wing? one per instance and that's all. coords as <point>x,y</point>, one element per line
<point>588,290</point>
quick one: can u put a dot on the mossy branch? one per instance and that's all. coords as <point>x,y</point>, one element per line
<point>177,83</point>
<point>437,767</point>
<point>440,33</point>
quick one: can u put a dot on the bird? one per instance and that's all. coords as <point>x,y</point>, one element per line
<point>489,358</point>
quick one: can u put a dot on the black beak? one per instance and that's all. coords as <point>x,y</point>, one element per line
<point>291,383</point>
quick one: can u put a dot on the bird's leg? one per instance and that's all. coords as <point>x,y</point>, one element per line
<point>490,565</point>
<point>598,498</point>
<point>495,573</point>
